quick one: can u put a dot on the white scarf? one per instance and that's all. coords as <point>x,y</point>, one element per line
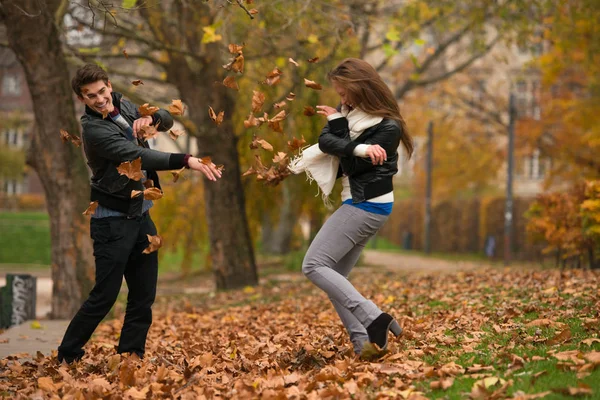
<point>323,168</point>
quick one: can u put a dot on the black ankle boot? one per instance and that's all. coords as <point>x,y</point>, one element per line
<point>378,330</point>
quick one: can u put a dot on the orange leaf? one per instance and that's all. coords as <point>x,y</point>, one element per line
<point>177,174</point>
<point>230,83</point>
<point>206,160</point>
<point>279,105</point>
<point>153,193</point>
<point>258,99</point>
<point>280,157</point>
<point>251,121</point>
<point>91,208</point>
<point>312,84</point>
<point>296,144</point>
<point>149,131</point>
<point>235,48</point>
<point>217,119</point>
<point>137,82</point>
<point>309,111</point>
<point>133,169</point>
<point>273,77</point>
<point>155,243</point>
<point>147,110</point>
<point>175,133</point>
<point>125,53</point>
<point>313,60</point>
<point>176,107</point>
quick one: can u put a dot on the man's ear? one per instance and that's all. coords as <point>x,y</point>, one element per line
<point>108,85</point>
<point>80,98</point>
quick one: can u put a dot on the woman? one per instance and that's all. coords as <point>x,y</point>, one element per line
<point>360,144</point>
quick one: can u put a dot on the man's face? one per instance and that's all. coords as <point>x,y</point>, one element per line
<point>97,96</point>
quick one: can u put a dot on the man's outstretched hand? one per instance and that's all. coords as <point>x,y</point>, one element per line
<point>209,170</point>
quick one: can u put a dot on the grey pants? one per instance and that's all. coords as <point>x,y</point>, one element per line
<point>330,258</point>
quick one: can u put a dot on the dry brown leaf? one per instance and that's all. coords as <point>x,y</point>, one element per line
<point>175,133</point>
<point>217,119</point>
<point>258,99</point>
<point>66,136</point>
<point>251,121</point>
<point>133,169</point>
<point>291,96</point>
<point>281,104</point>
<point>312,84</point>
<point>176,107</point>
<point>153,193</point>
<point>291,60</point>
<point>137,82</point>
<point>91,208</point>
<point>206,160</point>
<point>177,174</point>
<point>229,82</point>
<point>273,77</point>
<point>155,243</point>
<point>296,143</point>
<point>147,110</point>
<point>136,193</point>
<point>148,131</point>
<point>313,60</point>
<point>235,48</point>
<point>125,53</point>
<point>309,111</point>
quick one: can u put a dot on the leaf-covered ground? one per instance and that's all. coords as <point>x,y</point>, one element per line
<point>484,334</point>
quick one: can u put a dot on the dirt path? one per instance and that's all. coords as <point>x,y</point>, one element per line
<point>415,263</point>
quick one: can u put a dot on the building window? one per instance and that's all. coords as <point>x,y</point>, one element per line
<point>11,85</point>
<point>11,137</point>
<point>11,187</point>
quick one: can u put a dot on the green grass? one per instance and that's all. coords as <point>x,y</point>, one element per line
<point>24,238</point>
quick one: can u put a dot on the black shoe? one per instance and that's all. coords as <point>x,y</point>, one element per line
<point>378,330</point>
<point>68,359</point>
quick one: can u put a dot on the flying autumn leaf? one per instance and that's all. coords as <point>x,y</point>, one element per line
<point>253,11</point>
<point>281,104</point>
<point>220,167</point>
<point>256,142</point>
<point>66,136</point>
<point>136,193</point>
<point>280,158</point>
<point>133,169</point>
<point>313,60</point>
<point>296,143</point>
<point>291,96</point>
<point>177,174</point>
<point>235,48</point>
<point>309,111</point>
<point>176,107</point>
<point>205,160</point>
<point>147,110</point>
<point>155,243</point>
<point>250,171</point>
<point>125,53</point>
<point>91,208</point>
<point>217,119</point>
<point>312,84</point>
<point>236,64</point>
<point>280,116</point>
<point>291,60</point>
<point>175,133</point>
<point>251,121</point>
<point>148,131</point>
<point>153,193</point>
<point>273,77</point>
<point>258,99</point>
<point>229,82</point>
<point>137,82</point>
<point>105,113</point>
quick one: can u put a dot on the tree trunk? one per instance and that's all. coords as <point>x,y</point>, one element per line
<point>278,240</point>
<point>232,254</point>
<point>34,37</point>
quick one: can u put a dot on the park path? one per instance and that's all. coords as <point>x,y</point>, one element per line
<point>30,338</point>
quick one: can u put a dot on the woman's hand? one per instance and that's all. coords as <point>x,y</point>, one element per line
<point>209,170</point>
<point>377,154</point>
<point>326,110</point>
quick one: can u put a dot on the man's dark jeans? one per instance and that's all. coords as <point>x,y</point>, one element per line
<point>118,246</point>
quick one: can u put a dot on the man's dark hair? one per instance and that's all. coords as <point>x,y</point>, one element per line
<point>87,74</point>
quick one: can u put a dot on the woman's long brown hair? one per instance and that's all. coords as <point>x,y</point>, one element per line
<point>365,89</point>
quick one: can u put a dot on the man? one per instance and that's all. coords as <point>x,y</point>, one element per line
<point>120,223</point>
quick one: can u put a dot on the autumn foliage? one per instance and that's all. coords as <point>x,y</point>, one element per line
<point>568,222</point>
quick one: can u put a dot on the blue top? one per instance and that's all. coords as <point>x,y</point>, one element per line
<point>375,208</point>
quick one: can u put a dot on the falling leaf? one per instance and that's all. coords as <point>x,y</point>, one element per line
<point>280,158</point>
<point>153,194</point>
<point>229,82</point>
<point>177,174</point>
<point>258,99</point>
<point>220,167</point>
<point>176,107</point>
<point>91,208</point>
<point>217,119</point>
<point>291,60</point>
<point>313,60</point>
<point>236,64</point>
<point>133,169</point>
<point>155,243</point>
<point>125,53</point>
<point>175,133</point>
<point>235,48</point>
<point>281,104</point>
<point>291,96</point>
<point>250,171</point>
<point>251,121</point>
<point>253,11</point>
<point>136,193</point>
<point>66,136</point>
<point>280,116</point>
<point>296,143</point>
<point>147,110</point>
<point>256,142</point>
<point>205,160</point>
<point>137,82</point>
<point>312,84</point>
<point>309,111</point>
<point>273,77</point>
<point>148,131</point>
